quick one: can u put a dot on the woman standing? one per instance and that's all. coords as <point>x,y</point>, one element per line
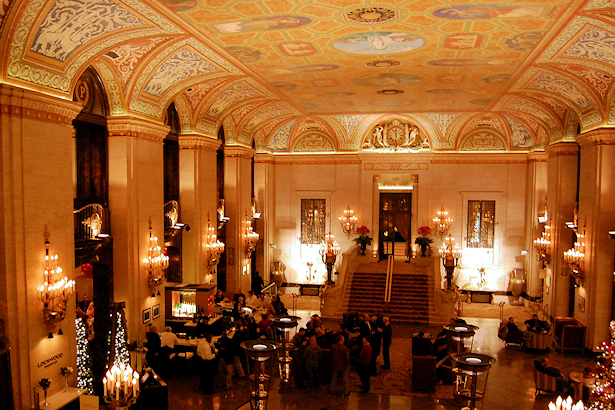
<point>310,357</point>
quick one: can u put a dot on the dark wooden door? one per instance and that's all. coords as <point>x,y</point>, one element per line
<point>395,209</point>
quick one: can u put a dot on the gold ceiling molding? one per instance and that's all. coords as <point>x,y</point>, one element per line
<point>264,158</point>
<point>537,156</point>
<point>138,128</point>
<point>562,148</point>
<point>603,136</point>
<point>396,166</point>
<point>317,159</point>
<point>21,102</point>
<point>237,151</point>
<point>199,142</point>
<point>481,158</point>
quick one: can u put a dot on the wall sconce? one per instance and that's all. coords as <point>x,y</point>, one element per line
<point>442,223</point>
<point>55,291</point>
<point>348,222</point>
<point>329,249</point>
<point>543,245</point>
<point>575,256</point>
<point>213,247</point>
<point>156,263</point>
<point>251,237</point>
<point>450,252</point>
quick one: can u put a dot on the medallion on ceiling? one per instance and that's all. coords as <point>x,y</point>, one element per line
<point>370,15</point>
<point>395,136</point>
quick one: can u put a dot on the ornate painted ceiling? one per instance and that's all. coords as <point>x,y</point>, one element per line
<point>332,75</point>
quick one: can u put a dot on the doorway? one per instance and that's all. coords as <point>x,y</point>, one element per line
<point>395,221</point>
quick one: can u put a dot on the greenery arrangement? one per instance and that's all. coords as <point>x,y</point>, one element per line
<point>364,238</point>
<point>45,383</point>
<point>423,240</point>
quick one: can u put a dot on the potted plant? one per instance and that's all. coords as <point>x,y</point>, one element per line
<point>363,239</point>
<point>423,240</point>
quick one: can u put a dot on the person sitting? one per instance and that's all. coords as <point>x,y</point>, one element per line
<point>237,312</point>
<point>278,306</point>
<point>219,296</point>
<point>264,328</point>
<point>167,343</point>
<point>513,335</point>
<point>153,347</point>
<point>536,325</point>
<point>203,327</point>
<point>251,300</point>
<point>444,369</point>
<point>238,294</point>
<point>561,383</point>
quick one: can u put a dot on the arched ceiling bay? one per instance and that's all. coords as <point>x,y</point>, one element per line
<point>320,75</point>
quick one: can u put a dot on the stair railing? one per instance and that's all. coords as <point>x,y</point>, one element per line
<point>389,281</point>
<point>295,297</point>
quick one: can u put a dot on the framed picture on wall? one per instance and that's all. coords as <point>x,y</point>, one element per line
<point>147,315</point>
<point>581,303</point>
<point>156,311</point>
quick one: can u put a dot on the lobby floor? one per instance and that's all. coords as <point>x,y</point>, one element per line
<point>510,383</point>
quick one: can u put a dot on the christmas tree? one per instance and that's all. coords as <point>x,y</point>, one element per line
<point>603,390</point>
<point>120,343</point>
<point>84,368</point>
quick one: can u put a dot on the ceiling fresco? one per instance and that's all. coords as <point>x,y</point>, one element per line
<point>327,75</point>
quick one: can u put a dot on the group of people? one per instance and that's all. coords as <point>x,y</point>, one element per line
<point>515,335</point>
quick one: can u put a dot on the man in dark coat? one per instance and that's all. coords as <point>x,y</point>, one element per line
<point>387,338</point>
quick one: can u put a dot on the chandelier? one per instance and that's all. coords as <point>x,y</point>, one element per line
<point>348,222</point>
<point>575,256</point>
<point>442,223</point>
<point>156,263</point>
<point>450,252</point>
<point>251,237</point>
<point>543,244</point>
<point>329,249</point>
<point>213,247</point>
<point>568,404</point>
<point>55,291</point>
<point>121,386</point>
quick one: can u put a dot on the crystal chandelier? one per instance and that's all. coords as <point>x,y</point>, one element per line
<point>55,291</point>
<point>329,249</point>
<point>348,222</point>
<point>251,237</point>
<point>575,256</point>
<point>213,247</point>
<point>543,244</point>
<point>156,263</point>
<point>442,223</point>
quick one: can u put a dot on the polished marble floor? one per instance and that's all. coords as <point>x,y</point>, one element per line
<point>510,383</point>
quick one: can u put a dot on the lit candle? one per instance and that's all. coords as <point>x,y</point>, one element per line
<point>104,386</point>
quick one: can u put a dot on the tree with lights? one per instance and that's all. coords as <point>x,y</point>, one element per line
<point>120,340</point>
<point>84,367</point>
<point>603,390</point>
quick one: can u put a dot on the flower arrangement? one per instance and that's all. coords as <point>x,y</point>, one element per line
<point>66,371</point>
<point>364,238</point>
<point>423,240</point>
<point>45,383</point>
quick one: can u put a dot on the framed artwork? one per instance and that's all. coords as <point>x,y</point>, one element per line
<point>581,303</point>
<point>156,311</point>
<point>147,315</point>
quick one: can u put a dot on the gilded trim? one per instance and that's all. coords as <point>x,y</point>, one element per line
<point>562,148</point>
<point>136,127</point>
<point>264,158</point>
<point>25,103</point>
<point>237,151</point>
<point>602,136</point>
<point>199,142</point>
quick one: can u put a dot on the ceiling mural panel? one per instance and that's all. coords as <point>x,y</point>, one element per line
<point>197,93</point>
<point>126,57</point>
<point>313,142</point>
<point>483,140</point>
<point>595,44</point>
<point>520,135</point>
<point>279,139</point>
<point>268,113</point>
<point>237,92</point>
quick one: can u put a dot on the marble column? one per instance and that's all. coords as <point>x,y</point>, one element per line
<point>238,202</point>
<point>265,204</point>
<point>596,219</point>
<point>561,202</point>
<point>198,201</point>
<point>36,155</point>
<point>136,195</point>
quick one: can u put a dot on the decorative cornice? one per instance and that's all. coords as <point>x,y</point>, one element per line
<point>136,127</point>
<point>537,156</point>
<point>405,166</point>
<point>264,158</point>
<point>198,142</point>
<point>25,103</point>
<point>318,159</point>
<point>402,161</point>
<point>562,148</point>
<point>237,151</point>
<point>602,136</point>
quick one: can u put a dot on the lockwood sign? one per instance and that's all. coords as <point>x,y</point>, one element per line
<point>51,360</point>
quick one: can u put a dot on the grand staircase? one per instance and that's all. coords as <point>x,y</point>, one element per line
<point>412,294</point>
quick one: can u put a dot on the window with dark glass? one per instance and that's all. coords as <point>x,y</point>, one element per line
<point>313,221</point>
<point>481,224</point>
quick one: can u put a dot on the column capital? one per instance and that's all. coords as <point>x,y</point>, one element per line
<point>237,151</point>
<point>136,127</point>
<point>264,158</point>
<point>198,142</point>
<point>562,148</point>
<point>31,104</point>
<point>601,136</point>
<point>537,156</point>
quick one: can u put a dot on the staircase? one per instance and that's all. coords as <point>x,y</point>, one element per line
<point>412,295</point>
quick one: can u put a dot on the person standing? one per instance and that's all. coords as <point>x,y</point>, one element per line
<point>311,359</point>
<point>387,338</point>
<point>365,359</point>
<point>340,365</point>
<point>207,352</point>
<point>238,352</point>
<point>257,284</point>
<point>375,341</point>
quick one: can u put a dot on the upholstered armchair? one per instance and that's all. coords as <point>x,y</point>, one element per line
<point>538,341</point>
<point>544,382</point>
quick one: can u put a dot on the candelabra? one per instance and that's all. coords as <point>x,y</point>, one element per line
<point>450,252</point>
<point>121,386</point>
<point>251,237</point>
<point>55,291</point>
<point>543,244</point>
<point>561,404</point>
<point>575,256</point>
<point>329,249</point>
<point>156,263</point>
<point>213,246</point>
<point>348,222</point>
<point>442,223</point>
